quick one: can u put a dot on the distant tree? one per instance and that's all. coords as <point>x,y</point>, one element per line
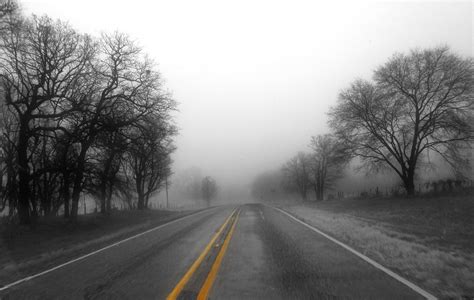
<point>188,183</point>
<point>209,189</point>
<point>297,172</point>
<point>268,185</point>
<point>419,102</point>
<point>327,162</point>
<point>149,158</point>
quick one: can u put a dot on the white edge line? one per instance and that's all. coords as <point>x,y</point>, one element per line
<point>365,258</point>
<point>5,287</point>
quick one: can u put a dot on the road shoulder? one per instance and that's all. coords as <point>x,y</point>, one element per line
<point>30,252</point>
<point>445,274</point>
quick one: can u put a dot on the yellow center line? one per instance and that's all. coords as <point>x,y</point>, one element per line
<point>179,287</point>
<point>211,277</point>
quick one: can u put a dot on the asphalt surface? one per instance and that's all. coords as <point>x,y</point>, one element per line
<point>273,257</point>
<point>269,256</point>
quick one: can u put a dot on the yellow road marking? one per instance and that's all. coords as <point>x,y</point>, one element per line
<point>179,287</point>
<point>211,277</point>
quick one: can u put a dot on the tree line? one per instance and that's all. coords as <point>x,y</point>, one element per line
<point>192,186</point>
<point>419,105</point>
<point>318,169</point>
<point>79,115</point>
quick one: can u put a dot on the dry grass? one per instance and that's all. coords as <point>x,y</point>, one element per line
<point>429,252</point>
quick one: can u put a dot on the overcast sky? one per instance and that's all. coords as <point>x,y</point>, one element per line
<point>255,79</point>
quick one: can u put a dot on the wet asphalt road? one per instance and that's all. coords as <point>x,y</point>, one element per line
<point>269,256</point>
<point>273,257</point>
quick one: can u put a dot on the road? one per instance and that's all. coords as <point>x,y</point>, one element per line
<point>257,253</point>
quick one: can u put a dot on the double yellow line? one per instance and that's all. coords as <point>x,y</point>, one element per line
<point>206,287</point>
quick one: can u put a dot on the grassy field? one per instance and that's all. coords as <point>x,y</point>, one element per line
<point>429,240</point>
<point>52,241</point>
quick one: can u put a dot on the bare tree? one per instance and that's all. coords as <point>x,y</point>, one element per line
<point>105,176</point>
<point>188,183</point>
<point>297,172</point>
<point>124,88</point>
<point>42,66</point>
<point>419,102</point>
<point>149,157</point>
<point>209,189</point>
<point>268,185</point>
<point>327,162</point>
<point>9,13</point>
<point>69,106</point>
<point>9,171</point>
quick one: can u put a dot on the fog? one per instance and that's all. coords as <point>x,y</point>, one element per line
<point>255,79</point>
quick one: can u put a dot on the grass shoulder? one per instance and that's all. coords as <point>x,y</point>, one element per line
<point>426,239</point>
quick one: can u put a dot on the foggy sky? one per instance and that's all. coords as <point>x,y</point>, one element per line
<point>255,79</point>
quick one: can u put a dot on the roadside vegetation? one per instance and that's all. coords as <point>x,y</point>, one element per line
<point>81,116</point>
<point>426,239</point>
<point>416,113</point>
<point>194,188</point>
<point>413,123</point>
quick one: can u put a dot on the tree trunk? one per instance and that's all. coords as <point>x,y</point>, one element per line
<point>318,188</point>
<point>109,198</point>
<point>302,193</point>
<point>76,194</point>
<point>141,201</point>
<point>23,175</point>
<point>34,208</point>
<point>409,183</point>
<point>103,196</point>
<point>147,198</point>
<point>66,195</point>
<point>78,178</point>
<point>12,191</point>
<point>317,194</point>
<point>47,205</point>
<point>140,192</point>
<point>410,187</point>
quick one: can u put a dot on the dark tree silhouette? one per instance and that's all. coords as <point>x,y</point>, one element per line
<point>327,162</point>
<point>209,189</point>
<point>419,102</point>
<point>124,89</point>
<point>70,106</point>
<point>297,173</point>
<point>188,183</point>
<point>42,66</point>
<point>268,185</point>
<point>106,178</point>
<point>149,161</point>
